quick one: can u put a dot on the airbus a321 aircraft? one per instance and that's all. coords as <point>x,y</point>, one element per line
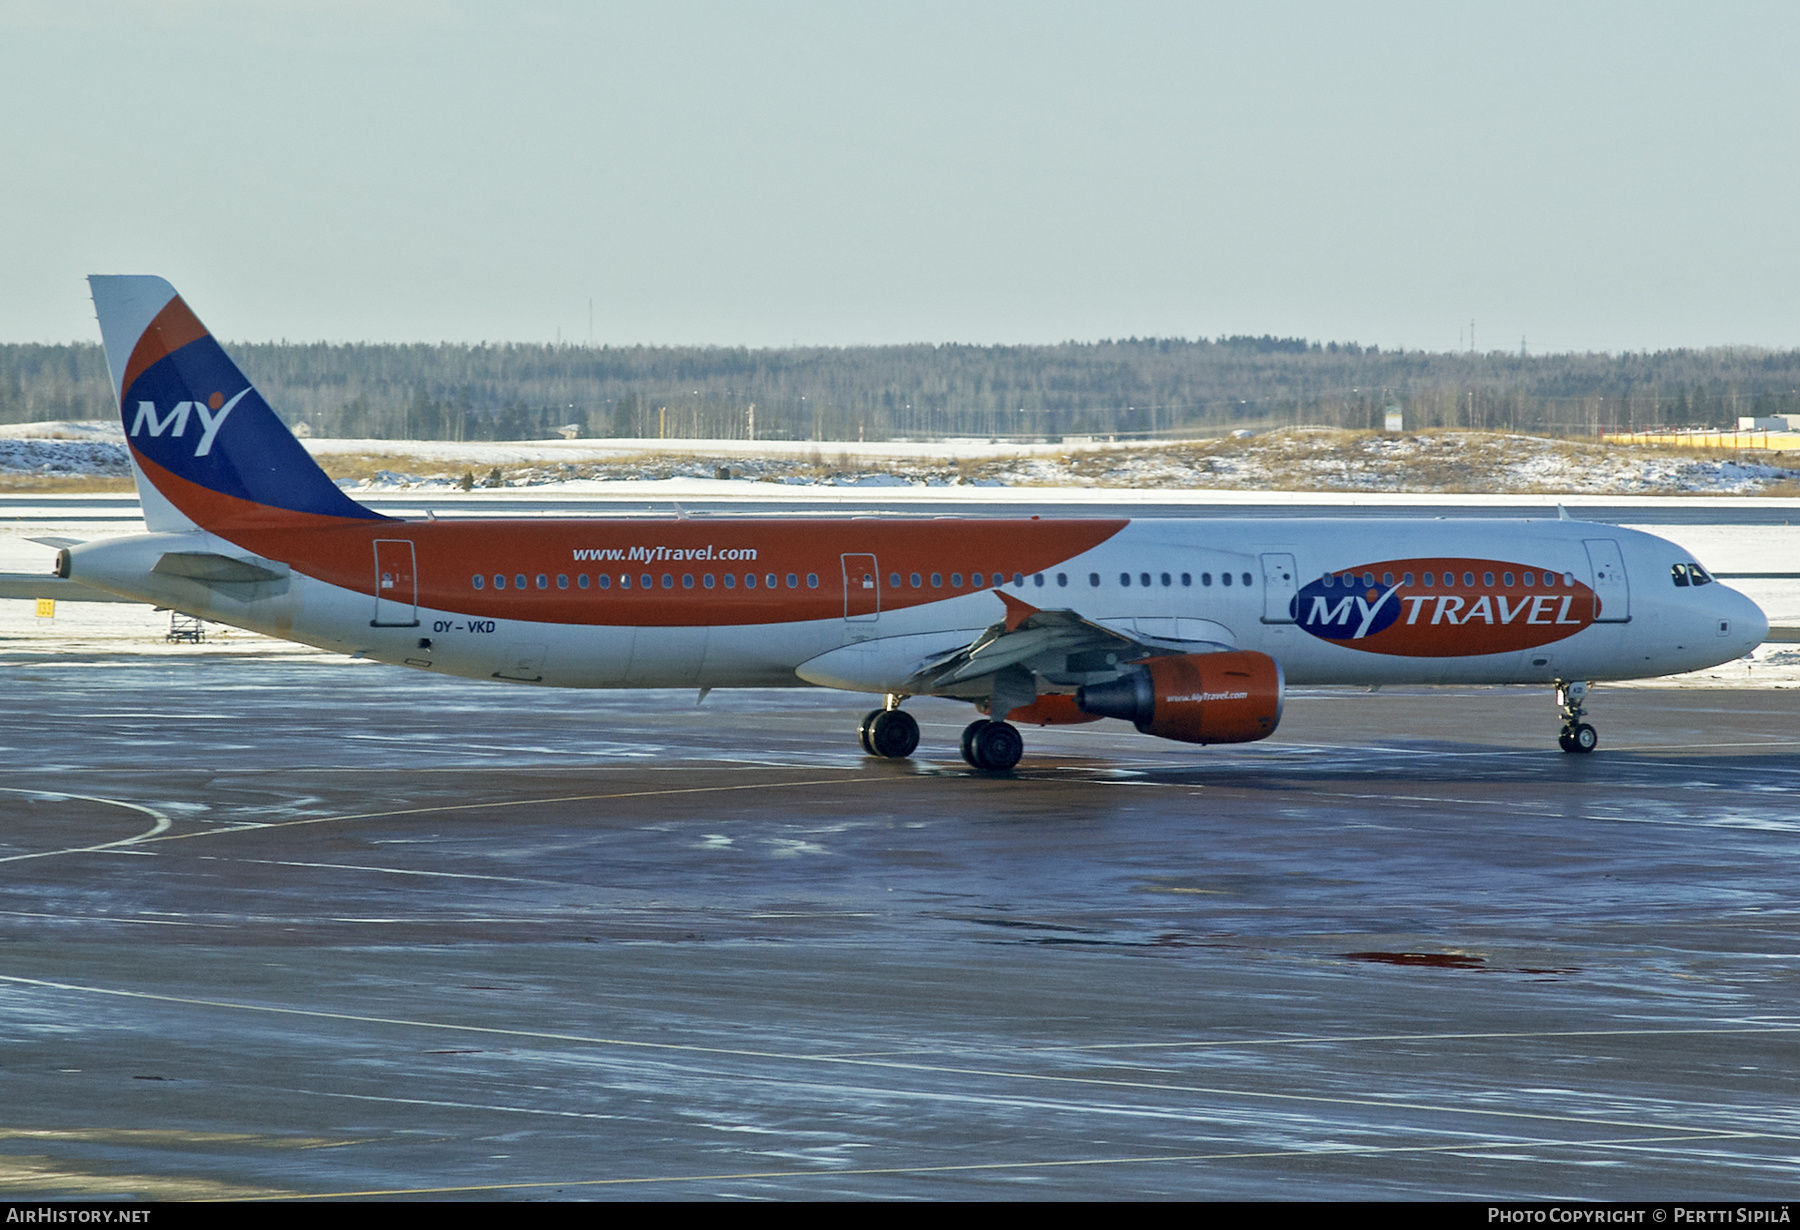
<point>1190,630</point>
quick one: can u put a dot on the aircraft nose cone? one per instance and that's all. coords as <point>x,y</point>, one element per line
<point>1748,623</point>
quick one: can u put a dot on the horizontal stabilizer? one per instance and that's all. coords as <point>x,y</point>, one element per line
<point>30,585</point>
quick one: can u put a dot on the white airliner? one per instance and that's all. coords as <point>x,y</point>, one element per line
<point>1191,630</point>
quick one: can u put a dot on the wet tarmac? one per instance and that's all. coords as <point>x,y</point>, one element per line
<point>296,928</point>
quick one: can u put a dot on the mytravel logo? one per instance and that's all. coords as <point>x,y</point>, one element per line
<point>211,414</point>
<point>1442,608</point>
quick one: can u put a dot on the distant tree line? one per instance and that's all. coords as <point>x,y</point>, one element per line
<point>1130,387</point>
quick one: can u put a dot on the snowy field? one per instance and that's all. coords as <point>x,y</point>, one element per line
<point>1299,459</point>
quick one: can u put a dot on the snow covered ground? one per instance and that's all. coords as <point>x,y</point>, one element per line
<point>1300,459</point>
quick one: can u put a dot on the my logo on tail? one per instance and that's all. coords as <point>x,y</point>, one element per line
<point>212,413</point>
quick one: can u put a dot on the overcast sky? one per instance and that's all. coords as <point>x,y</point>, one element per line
<point>1617,177</point>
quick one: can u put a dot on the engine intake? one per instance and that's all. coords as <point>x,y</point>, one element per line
<point>1195,698</point>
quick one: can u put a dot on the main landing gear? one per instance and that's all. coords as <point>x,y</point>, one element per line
<point>893,734</point>
<point>993,746</point>
<point>890,733</point>
<point>1577,735</point>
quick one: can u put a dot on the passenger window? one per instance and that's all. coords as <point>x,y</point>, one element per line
<point>1037,578</point>
<point>1225,578</point>
<point>687,580</point>
<point>1167,580</point>
<point>478,580</point>
<point>1328,581</point>
<point>1206,580</point>
<point>731,580</point>
<point>893,580</point>
<point>562,580</point>
<point>749,580</point>
<point>1248,580</point>
<point>647,581</point>
<point>1387,578</point>
<point>603,581</point>
<point>581,579</point>
<point>1187,578</point>
<point>1144,579</point>
<point>1062,579</point>
<point>768,580</point>
<point>914,578</point>
<point>1507,579</point>
<point>669,580</point>
<point>1094,579</point>
<point>978,580</point>
<point>956,580</point>
<point>1019,579</point>
<point>543,581</point>
<point>1406,579</point>
<point>624,580</point>
<point>1430,580</point>
<point>1469,580</point>
<point>793,581</point>
<point>812,580</point>
<point>1487,578</point>
<point>937,580</point>
<point>1125,579</point>
<point>707,580</point>
<point>1569,579</point>
<point>1530,579</point>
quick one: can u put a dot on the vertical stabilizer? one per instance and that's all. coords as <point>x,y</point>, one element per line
<point>205,447</point>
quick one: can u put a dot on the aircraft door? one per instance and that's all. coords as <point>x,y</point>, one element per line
<point>396,585</point>
<point>862,588</point>
<point>1280,583</point>
<point>1612,592</point>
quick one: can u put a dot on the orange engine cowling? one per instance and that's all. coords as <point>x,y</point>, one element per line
<point>1196,697</point>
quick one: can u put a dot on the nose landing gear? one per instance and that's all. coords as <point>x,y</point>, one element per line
<point>1577,735</point>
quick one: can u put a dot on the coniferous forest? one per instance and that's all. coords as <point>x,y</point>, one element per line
<point>1131,388</point>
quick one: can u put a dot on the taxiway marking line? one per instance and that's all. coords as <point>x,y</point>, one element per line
<point>160,826</point>
<point>159,835</point>
<point>975,1167</point>
<point>1333,1039</point>
<point>886,1065</point>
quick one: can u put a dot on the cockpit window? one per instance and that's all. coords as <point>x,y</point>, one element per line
<point>1689,574</point>
<point>1678,574</point>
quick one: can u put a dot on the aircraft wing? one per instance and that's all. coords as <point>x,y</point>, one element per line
<point>1004,661</point>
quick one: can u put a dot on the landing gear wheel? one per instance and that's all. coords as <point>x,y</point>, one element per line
<point>862,729</point>
<point>1577,735</point>
<point>993,746</point>
<point>893,734</point>
<point>968,741</point>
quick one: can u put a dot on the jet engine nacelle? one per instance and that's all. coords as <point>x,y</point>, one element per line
<point>1195,698</point>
